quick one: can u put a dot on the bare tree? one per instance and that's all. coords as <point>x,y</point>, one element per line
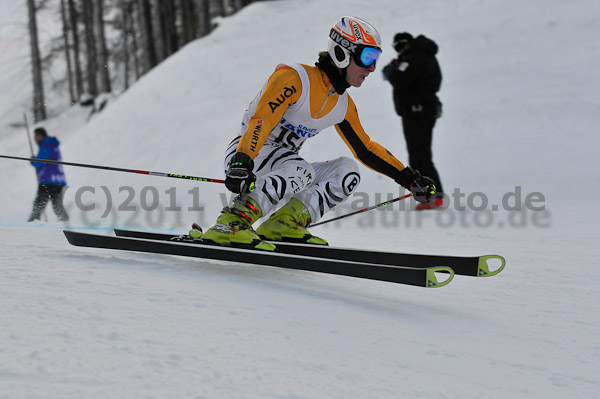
<point>76,52</point>
<point>217,8</point>
<point>103,72</point>
<point>90,47</point>
<point>134,39</point>
<point>229,7</point>
<point>189,20</point>
<point>205,26</point>
<point>159,28</point>
<point>39,105</point>
<point>145,22</point>
<point>167,27</point>
<point>63,14</point>
<point>125,18</point>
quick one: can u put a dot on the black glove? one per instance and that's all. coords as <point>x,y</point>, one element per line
<point>239,177</point>
<point>421,187</point>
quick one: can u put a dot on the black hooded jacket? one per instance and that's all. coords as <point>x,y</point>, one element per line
<point>416,78</point>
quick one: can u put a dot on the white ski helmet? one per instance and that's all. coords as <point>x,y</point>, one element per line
<point>353,37</point>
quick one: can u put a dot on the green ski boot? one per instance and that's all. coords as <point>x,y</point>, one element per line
<point>289,224</point>
<point>234,227</point>
<point>196,231</point>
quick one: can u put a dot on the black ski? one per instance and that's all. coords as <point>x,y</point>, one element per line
<point>476,266</point>
<point>422,277</point>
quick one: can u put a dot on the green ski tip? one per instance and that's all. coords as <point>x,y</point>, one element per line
<point>484,268</point>
<point>265,246</point>
<point>432,280</point>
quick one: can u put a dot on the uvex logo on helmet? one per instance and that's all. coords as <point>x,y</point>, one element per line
<point>348,37</point>
<point>339,39</point>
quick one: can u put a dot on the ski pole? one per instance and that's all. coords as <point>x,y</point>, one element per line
<point>195,178</point>
<point>141,172</point>
<point>363,210</point>
<point>27,133</point>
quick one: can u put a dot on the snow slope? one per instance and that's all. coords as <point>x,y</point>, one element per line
<point>521,105</point>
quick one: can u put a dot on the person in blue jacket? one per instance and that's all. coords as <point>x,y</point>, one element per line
<point>51,177</point>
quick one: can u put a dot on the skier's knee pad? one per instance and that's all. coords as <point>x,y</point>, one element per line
<point>348,173</point>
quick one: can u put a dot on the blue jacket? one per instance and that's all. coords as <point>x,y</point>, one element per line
<point>50,173</point>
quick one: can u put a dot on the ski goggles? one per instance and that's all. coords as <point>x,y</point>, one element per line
<point>366,56</point>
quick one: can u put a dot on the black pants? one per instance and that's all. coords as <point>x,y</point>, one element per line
<point>45,193</point>
<point>418,132</point>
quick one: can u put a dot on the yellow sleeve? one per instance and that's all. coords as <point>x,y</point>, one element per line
<point>283,89</point>
<point>370,153</point>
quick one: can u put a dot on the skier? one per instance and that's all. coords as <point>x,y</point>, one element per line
<point>416,78</point>
<point>262,163</point>
<point>51,178</point>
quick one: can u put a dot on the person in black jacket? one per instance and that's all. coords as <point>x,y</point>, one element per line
<point>416,78</point>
